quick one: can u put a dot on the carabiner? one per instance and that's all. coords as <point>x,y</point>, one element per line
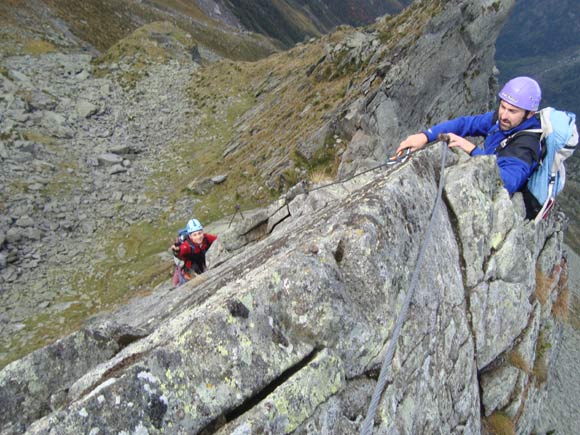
<point>401,157</point>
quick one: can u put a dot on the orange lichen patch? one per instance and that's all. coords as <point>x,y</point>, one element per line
<point>517,360</point>
<point>561,307</point>
<point>543,284</point>
<point>499,423</point>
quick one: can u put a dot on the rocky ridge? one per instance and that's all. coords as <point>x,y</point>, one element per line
<point>290,339</point>
<point>381,100</point>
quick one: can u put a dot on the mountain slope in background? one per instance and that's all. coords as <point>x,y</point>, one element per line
<point>290,21</point>
<point>223,26</point>
<point>542,40</point>
<point>30,26</point>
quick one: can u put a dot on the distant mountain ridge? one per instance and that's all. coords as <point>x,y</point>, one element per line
<point>290,21</point>
<point>542,39</point>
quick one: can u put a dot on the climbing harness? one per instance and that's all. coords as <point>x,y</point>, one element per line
<point>367,426</point>
<point>397,159</point>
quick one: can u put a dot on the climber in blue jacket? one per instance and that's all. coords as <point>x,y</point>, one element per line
<point>519,101</point>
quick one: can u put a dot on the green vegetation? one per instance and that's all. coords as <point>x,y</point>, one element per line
<point>106,22</point>
<point>406,27</point>
<point>61,182</point>
<point>543,286</point>
<point>154,43</point>
<point>574,318</point>
<point>197,159</point>
<point>276,19</point>
<point>34,136</point>
<point>495,6</point>
<point>37,47</point>
<point>540,370</point>
<point>278,122</point>
<point>138,245</point>
<point>517,360</point>
<point>324,161</point>
<point>131,266</point>
<point>561,306</point>
<point>103,23</point>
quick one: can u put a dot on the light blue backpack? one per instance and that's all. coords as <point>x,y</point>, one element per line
<point>559,137</point>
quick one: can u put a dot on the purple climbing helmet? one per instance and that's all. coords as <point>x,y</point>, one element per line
<point>522,92</point>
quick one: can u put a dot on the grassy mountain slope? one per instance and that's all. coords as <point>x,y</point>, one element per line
<point>275,18</point>
<point>283,100</point>
<point>101,24</point>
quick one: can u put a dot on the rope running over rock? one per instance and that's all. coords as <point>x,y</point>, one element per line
<point>396,160</point>
<point>367,426</point>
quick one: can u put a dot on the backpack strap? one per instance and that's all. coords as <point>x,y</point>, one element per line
<point>199,252</point>
<point>191,245</point>
<point>527,149</point>
<point>535,131</point>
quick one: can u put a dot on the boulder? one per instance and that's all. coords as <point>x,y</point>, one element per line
<point>109,159</point>
<point>86,109</point>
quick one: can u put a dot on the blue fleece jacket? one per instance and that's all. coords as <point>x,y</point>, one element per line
<point>516,162</point>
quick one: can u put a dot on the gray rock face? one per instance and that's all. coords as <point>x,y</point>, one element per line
<point>288,336</point>
<point>449,73</point>
<point>559,412</point>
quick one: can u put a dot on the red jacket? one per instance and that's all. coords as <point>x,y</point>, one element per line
<point>194,255</point>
